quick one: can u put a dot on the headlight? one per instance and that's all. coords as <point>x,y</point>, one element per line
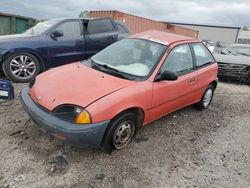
<point>73,114</point>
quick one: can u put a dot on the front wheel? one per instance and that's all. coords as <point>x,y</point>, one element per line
<point>206,98</point>
<point>21,67</point>
<point>120,133</point>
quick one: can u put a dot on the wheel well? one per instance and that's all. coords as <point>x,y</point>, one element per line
<point>136,110</point>
<point>214,83</point>
<point>42,65</point>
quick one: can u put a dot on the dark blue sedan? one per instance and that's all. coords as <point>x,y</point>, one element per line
<point>56,42</point>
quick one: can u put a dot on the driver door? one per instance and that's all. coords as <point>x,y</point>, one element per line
<point>69,47</point>
<point>169,96</point>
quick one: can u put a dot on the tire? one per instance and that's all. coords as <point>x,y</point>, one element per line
<point>21,67</point>
<point>120,133</point>
<point>206,98</point>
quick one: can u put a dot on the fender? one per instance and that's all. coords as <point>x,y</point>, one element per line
<point>108,107</point>
<point>25,50</point>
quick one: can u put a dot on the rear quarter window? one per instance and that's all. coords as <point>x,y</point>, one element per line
<point>202,55</point>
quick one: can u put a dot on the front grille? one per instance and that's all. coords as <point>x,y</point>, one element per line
<point>234,71</point>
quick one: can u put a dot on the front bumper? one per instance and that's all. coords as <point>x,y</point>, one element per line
<point>78,135</point>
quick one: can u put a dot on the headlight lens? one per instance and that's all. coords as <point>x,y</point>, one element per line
<point>73,114</point>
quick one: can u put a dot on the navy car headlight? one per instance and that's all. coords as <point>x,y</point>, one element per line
<point>73,114</point>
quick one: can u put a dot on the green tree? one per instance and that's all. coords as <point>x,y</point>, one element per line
<point>84,14</point>
<point>245,28</point>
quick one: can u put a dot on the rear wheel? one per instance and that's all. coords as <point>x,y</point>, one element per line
<point>121,132</point>
<point>206,98</point>
<point>21,67</point>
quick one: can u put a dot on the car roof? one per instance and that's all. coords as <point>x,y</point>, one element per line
<point>162,37</point>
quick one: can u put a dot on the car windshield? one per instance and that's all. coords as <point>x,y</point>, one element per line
<point>41,27</point>
<point>134,57</point>
<point>238,50</point>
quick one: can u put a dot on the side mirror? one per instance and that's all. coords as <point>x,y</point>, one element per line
<point>56,33</point>
<point>167,75</point>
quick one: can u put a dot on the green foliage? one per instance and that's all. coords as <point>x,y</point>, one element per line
<point>245,28</point>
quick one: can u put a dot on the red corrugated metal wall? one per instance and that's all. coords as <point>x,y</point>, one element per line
<point>138,24</point>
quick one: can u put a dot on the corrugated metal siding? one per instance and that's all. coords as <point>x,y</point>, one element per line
<point>5,23</point>
<point>11,24</point>
<point>214,33</point>
<point>138,24</point>
<point>21,25</point>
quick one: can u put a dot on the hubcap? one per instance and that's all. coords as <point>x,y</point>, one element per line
<point>22,67</point>
<point>208,97</point>
<point>123,134</point>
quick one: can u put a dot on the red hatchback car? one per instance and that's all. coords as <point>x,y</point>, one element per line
<point>104,100</point>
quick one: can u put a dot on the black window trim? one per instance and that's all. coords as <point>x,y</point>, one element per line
<point>66,21</point>
<point>205,65</point>
<point>183,73</point>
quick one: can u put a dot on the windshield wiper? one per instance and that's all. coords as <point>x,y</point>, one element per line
<point>106,68</point>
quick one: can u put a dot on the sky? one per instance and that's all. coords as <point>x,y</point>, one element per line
<point>214,12</point>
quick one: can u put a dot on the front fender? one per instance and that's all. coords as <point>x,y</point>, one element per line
<point>41,59</point>
<point>138,95</point>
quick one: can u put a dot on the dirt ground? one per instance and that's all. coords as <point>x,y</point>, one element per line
<point>188,148</point>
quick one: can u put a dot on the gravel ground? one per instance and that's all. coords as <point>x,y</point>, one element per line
<point>188,148</point>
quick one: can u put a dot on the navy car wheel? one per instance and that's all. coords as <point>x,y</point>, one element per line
<point>21,67</point>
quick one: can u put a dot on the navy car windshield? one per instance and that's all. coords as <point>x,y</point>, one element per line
<point>134,57</point>
<point>41,27</point>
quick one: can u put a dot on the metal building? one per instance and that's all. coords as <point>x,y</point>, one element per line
<point>212,32</point>
<point>11,24</point>
<point>139,24</point>
<point>244,37</point>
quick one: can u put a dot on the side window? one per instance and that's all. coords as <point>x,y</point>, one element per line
<point>179,60</point>
<point>121,28</point>
<point>70,29</point>
<point>100,26</point>
<point>202,55</point>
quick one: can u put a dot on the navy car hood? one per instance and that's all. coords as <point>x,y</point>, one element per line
<point>15,37</point>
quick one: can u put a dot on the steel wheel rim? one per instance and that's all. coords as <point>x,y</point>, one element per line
<point>22,67</point>
<point>208,97</point>
<point>123,134</point>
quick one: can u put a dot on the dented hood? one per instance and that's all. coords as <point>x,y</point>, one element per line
<point>74,84</point>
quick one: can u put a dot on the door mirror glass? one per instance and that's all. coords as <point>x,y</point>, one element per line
<point>167,75</point>
<point>56,33</point>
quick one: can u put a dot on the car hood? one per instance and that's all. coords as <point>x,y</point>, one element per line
<point>15,37</point>
<point>75,84</point>
<point>232,59</point>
